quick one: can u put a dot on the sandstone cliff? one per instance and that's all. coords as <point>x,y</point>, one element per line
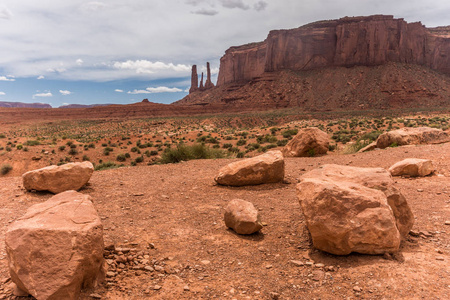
<point>364,41</point>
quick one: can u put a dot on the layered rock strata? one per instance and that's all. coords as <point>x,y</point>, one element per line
<point>367,41</point>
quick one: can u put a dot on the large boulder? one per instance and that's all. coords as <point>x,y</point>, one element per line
<point>351,209</point>
<point>242,217</point>
<point>56,248</point>
<point>308,142</point>
<point>412,136</point>
<point>265,168</point>
<point>412,167</point>
<point>57,179</point>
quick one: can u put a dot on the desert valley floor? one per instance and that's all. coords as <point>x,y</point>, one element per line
<point>171,216</point>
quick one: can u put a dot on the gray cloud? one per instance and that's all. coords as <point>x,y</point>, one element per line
<point>234,4</point>
<point>206,12</point>
<point>260,5</point>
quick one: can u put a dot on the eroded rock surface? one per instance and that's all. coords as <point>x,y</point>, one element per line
<point>57,179</point>
<point>350,209</point>
<point>412,167</point>
<point>264,168</point>
<point>308,142</point>
<point>242,217</point>
<point>412,136</point>
<point>56,248</point>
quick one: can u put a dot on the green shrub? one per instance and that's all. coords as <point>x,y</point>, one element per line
<point>5,169</point>
<point>32,143</point>
<point>73,151</point>
<point>139,159</point>
<point>86,158</point>
<point>184,152</point>
<point>61,148</point>
<point>107,150</point>
<point>2,136</point>
<point>19,147</point>
<point>121,157</point>
<point>227,145</point>
<point>289,133</point>
<point>241,142</point>
<point>106,166</point>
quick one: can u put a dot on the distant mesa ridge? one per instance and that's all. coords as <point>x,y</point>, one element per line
<point>24,105</point>
<point>350,41</point>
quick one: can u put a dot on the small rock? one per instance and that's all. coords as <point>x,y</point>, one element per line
<point>297,263</point>
<point>447,222</point>
<point>319,265</point>
<point>95,296</point>
<point>357,289</point>
<point>149,268</point>
<point>441,258</point>
<point>186,288</point>
<point>159,268</point>
<point>269,266</point>
<point>110,274</point>
<point>205,262</point>
<point>157,287</point>
<point>274,296</point>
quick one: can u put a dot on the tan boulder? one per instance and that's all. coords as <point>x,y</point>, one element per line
<point>56,248</point>
<point>351,209</point>
<point>308,142</point>
<point>264,168</point>
<point>242,217</point>
<point>412,136</point>
<point>57,179</point>
<point>412,167</point>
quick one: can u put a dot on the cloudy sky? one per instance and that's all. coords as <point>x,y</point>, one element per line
<point>85,52</point>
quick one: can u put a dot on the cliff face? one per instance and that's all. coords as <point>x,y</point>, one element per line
<point>366,41</point>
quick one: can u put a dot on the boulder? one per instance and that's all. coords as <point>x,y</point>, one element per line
<point>412,136</point>
<point>370,147</point>
<point>412,167</point>
<point>56,248</point>
<point>308,142</point>
<point>57,179</point>
<point>351,209</point>
<point>242,217</point>
<point>264,168</point>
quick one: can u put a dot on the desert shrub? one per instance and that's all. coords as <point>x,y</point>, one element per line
<point>25,149</point>
<point>216,146</point>
<point>240,155</point>
<point>139,159</point>
<point>371,136</point>
<point>234,149</point>
<point>32,143</point>
<point>106,166</point>
<point>8,148</point>
<point>121,157</point>
<point>153,152</point>
<point>127,155</point>
<point>19,147</point>
<point>5,169</point>
<point>184,152</point>
<point>73,151</point>
<point>91,145</point>
<point>133,163</point>
<point>266,139</point>
<point>2,136</point>
<point>73,146</point>
<point>86,158</point>
<point>134,149</point>
<point>289,133</point>
<point>69,143</point>
<point>241,142</point>
<point>107,150</point>
<point>227,145</point>
<point>61,148</point>
<point>282,142</point>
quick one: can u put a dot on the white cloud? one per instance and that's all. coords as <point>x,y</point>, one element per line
<point>154,90</point>
<point>79,61</point>
<point>2,93</point>
<point>47,94</point>
<point>93,6</point>
<point>118,91</point>
<point>7,78</point>
<point>65,92</point>
<point>41,77</point>
<point>234,4</point>
<point>145,66</point>
<point>5,13</point>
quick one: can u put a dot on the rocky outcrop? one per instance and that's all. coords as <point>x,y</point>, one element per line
<point>56,248</point>
<point>412,167</point>
<point>57,179</point>
<point>208,83</point>
<point>350,209</point>
<point>194,80</point>
<point>264,168</point>
<point>308,142</point>
<point>367,41</point>
<point>412,136</point>
<point>242,217</point>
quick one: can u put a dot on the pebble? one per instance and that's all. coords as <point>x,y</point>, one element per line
<point>149,268</point>
<point>159,268</point>
<point>447,222</point>
<point>186,288</point>
<point>420,190</point>
<point>110,274</point>
<point>95,296</point>
<point>269,266</point>
<point>297,263</point>
<point>157,287</point>
<point>319,265</point>
<point>274,296</point>
<point>205,262</point>
<point>357,289</point>
<point>441,258</point>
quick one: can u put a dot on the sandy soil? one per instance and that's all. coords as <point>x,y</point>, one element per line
<point>169,219</point>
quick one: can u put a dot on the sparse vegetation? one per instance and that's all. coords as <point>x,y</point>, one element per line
<point>184,152</point>
<point>5,169</point>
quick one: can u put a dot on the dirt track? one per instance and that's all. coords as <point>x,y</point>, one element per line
<point>179,209</point>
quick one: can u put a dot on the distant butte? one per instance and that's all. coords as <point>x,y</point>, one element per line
<point>347,42</point>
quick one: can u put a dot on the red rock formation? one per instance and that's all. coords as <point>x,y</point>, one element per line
<point>201,88</point>
<point>194,80</point>
<point>208,83</point>
<point>366,41</point>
